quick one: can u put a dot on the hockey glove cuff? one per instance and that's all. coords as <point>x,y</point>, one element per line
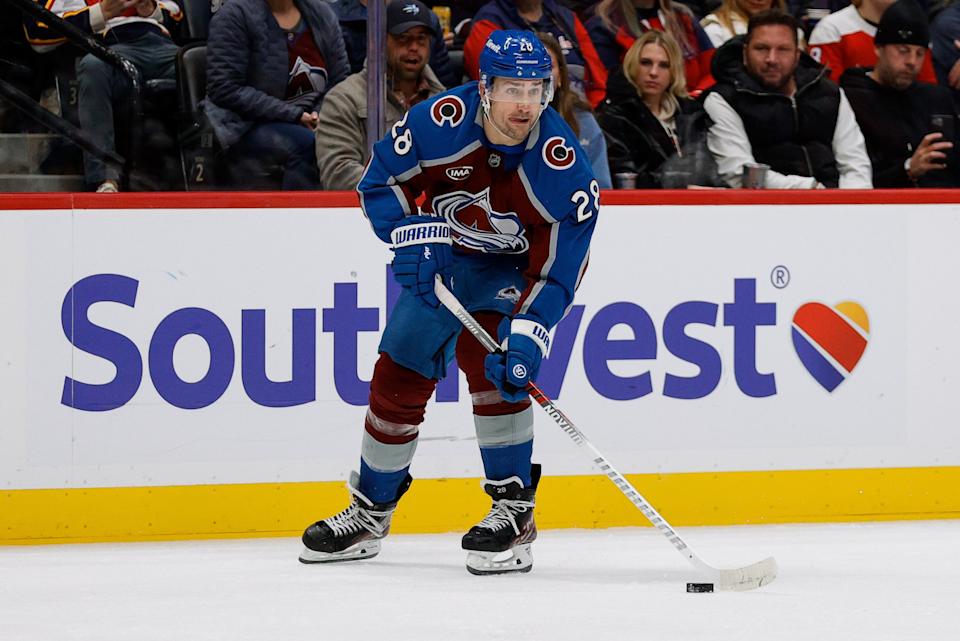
<point>527,342</point>
<point>422,248</point>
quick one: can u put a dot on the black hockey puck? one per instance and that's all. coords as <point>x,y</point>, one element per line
<point>699,587</point>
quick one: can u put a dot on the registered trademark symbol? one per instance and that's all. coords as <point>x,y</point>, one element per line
<point>780,277</point>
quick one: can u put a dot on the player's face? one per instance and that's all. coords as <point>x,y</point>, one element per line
<point>515,106</point>
<point>408,52</point>
<point>899,65</point>
<point>772,56</point>
<point>653,73</point>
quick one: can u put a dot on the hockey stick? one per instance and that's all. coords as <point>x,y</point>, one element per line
<point>745,578</point>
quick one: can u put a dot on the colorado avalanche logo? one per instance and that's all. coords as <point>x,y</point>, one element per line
<point>476,226</point>
<point>449,109</point>
<point>557,155</point>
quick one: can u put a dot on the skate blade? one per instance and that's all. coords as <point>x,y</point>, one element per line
<point>362,550</point>
<point>516,559</point>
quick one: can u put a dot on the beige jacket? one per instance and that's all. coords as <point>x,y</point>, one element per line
<point>341,134</point>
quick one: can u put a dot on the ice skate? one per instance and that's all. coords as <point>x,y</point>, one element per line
<point>355,532</point>
<point>500,543</point>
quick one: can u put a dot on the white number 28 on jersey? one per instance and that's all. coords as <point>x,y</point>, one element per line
<point>582,200</point>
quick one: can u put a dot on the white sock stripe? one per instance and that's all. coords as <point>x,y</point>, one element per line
<point>533,330</point>
<point>389,428</point>
<point>421,233</point>
<point>486,398</point>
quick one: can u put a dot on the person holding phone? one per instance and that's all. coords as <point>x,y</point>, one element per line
<point>909,126</point>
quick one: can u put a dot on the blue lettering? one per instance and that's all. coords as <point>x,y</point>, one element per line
<point>302,386</point>
<point>745,314</point>
<point>598,349</point>
<point>209,327</point>
<point>694,351</point>
<point>345,320</point>
<point>102,342</point>
<point>554,369</point>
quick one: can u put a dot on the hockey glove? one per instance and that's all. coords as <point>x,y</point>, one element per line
<point>422,249</point>
<point>518,362</point>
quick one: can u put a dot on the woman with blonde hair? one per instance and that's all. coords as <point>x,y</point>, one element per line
<point>733,15</point>
<point>577,112</point>
<point>653,128</point>
<point>618,23</point>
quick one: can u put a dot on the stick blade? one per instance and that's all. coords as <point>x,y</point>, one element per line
<point>749,577</point>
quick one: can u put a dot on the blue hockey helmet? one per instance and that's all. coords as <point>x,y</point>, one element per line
<point>517,55</point>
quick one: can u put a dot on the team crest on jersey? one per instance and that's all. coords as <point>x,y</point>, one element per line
<point>475,225</point>
<point>557,154</point>
<point>459,173</point>
<point>449,109</point>
<point>511,294</point>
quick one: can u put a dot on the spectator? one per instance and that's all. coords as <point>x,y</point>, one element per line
<point>619,22</point>
<point>342,150</point>
<point>649,119</point>
<point>587,74</point>
<point>577,113</point>
<point>845,39</point>
<point>945,47</point>
<point>138,30</point>
<point>352,15</point>
<point>899,116</point>
<point>773,104</point>
<point>731,19</point>
<point>270,63</point>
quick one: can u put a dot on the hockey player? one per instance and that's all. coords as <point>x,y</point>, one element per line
<point>509,204</point>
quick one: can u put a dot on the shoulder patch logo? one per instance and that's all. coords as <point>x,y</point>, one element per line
<point>557,154</point>
<point>449,109</point>
<point>459,173</point>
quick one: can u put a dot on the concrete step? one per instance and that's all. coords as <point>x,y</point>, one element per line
<point>25,153</point>
<point>40,182</point>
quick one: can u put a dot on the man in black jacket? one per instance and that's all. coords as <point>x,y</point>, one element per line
<point>909,126</point>
<point>773,104</point>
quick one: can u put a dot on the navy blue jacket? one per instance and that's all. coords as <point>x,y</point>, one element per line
<point>353,23</point>
<point>247,65</point>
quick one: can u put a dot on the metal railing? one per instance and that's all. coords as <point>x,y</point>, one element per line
<point>88,43</point>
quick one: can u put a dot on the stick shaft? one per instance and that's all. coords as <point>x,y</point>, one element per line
<point>456,308</point>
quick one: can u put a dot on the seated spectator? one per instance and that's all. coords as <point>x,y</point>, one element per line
<point>897,114</point>
<point>269,65</point>
<point>577,113</point>
<point>352,15</point>
<point>773,104</point>
<point>731,19</point>
<point>138,30</point>
<point>650,122</point>
<point>619,22</point>
<point>945,47</point>
<point>588,77</point>
<point>342,150</point>
<point>845,39</point>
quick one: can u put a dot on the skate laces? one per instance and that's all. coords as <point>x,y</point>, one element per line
<point>355,517</point>
<point>503,513</point>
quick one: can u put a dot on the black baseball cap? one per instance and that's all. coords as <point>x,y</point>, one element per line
<point>403,15</point>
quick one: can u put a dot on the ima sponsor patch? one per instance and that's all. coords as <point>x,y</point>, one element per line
<point>459,173</point>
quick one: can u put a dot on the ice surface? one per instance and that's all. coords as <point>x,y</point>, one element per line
<point>872,581</point>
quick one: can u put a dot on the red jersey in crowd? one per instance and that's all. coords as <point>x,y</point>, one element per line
<point>845,39</point>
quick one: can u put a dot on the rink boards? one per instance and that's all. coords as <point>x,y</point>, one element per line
<point>181,366</point>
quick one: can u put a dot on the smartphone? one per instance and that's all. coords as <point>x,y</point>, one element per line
<point>944,123</point>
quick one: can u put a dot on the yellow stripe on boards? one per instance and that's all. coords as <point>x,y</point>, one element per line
<point>453,505</point>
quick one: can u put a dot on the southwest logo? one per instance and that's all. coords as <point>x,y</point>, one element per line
<point>830,341</point>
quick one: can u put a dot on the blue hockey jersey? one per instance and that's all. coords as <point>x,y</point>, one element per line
<point>539,199</point>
